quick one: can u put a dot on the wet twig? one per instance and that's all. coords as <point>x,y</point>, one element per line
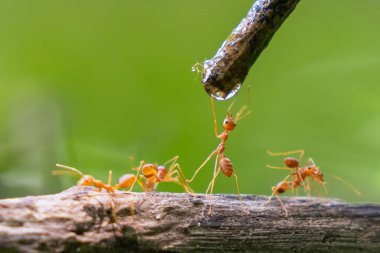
<point>226,71</point>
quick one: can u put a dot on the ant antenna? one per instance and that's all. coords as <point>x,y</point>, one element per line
<point>300,152</point>
<point>245,110</point>
<point>349,185</point>
<point>66,170</point>
<point>242,113</point>
<point>197,67</point>
<point>230,107</point>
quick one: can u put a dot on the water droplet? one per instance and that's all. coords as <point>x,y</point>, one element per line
<point>221,95</point>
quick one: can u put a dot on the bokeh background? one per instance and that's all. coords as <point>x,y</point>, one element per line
<point>92,83</point>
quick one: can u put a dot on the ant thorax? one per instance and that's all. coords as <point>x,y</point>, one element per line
<point>223,136</point>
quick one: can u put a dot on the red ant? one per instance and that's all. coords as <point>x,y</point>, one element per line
<point>222,163</point>
<point>88,180</point>
<point>154,174</point>
<point>85,180</point>
<point>300,175</point>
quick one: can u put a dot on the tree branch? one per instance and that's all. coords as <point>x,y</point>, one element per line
<point>226,71</point>
<point>80,219</point>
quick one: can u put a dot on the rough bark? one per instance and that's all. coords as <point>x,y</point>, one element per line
<point>81,220</point>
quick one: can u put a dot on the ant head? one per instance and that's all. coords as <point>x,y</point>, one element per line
<point>229,123</point>
<point>149,170</point>
<point>291,162</point>
<point>161,173</point>
<point>86,180</point>
<point>316,173</point>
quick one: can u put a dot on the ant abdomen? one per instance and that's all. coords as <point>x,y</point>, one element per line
<point>126,180</point>
<point>281,187</point>
<point>291,162</point>
<point>226,166</point>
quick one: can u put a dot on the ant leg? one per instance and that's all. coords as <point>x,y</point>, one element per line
<point>274,189</point>
<point>202,165</point>
<point>113,207</point>
<point>282,204</point>
<point>238,192</point>
<point>172,160</point>
<point>308,188</point>
<point>216,172</point>
<point>109,182</point>
<point>173,167</point>
<point>271,196</point>
<point>299,151</point>
<point>348,184</point>
<point>179,179</point>
<point>141,183</point>
<point>136,176</point>
<point>296,191</point>
<point>210,189</point>
<point>315,190</point>
<point>278,167</point>
<point>279,199</point>
<point>132,208</point>
<point>214,118</point>
<point>298,173</point>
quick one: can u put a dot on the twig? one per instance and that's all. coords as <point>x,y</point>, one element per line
<point>225,72</point>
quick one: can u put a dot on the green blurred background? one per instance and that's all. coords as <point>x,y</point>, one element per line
<point>91,83</point>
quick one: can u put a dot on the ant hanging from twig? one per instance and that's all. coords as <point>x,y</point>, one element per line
<point>222,163</point>
<point>153,174</point>
<point>300,175</point>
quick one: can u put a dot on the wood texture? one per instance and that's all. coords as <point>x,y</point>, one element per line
<point>81,220</point>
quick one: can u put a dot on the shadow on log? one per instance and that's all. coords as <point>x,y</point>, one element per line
<point>81,220</point>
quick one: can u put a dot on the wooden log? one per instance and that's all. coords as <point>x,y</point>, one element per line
<point>81,220</point>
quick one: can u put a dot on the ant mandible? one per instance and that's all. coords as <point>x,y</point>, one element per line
<point>222,163</point>
<point>153,174</point>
